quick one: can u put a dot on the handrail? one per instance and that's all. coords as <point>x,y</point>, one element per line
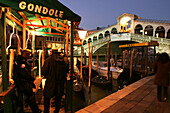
<point>6,92</point>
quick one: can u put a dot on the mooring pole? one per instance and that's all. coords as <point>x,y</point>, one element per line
<point>97,65</point>
<point>72,69</point>
<point>131,65</point>
<point>85,59</point>
<point>90,58</point>
<point>81,66</point>
<point>108,60</point>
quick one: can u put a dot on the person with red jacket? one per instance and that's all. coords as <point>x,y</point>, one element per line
<point>162,69</point>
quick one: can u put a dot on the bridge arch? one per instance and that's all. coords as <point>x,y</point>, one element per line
<point>168,34</point>
<point>148,30</point>
<point>107,33</point>
<point>100,36</point>
<point>84,42</point>
<point>89,40</point>
<point>114,31</point>
<point>94,38</point>
<point>138,29</point>
<point>160,32</point>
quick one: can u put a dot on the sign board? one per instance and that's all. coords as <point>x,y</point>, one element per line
<point>152,43</point>
<point>121,37</point>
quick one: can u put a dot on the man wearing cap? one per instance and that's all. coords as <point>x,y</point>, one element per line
<point>24,80</point>
<point>55,70</point>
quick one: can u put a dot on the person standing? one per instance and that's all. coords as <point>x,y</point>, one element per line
<point>162,68</point>
<point>24,80</point>
<point>55,71</point>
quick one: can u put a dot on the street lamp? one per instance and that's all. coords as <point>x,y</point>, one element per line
<point>82,34</point>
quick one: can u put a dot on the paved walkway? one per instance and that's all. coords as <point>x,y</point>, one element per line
<point>139,97</point>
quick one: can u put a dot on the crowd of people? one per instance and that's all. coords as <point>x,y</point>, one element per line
<point>55,70</point>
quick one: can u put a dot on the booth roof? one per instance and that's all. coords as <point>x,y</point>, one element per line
<point>39,11</point>
<point>47,8</point>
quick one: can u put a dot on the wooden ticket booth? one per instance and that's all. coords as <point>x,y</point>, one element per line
<point>41,18</point>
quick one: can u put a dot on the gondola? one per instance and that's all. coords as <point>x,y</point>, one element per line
<point>95,77</point>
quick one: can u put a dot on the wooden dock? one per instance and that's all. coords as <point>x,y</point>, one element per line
<point>139,97</point>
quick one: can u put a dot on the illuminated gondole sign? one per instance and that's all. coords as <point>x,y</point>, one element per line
<point>45,8</point>
<point>40,9</point>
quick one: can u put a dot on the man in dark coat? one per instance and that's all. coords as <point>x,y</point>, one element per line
<point>23,79</point>
<point>55,71</point>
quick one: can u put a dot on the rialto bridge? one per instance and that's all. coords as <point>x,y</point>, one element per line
<point>131,28</point>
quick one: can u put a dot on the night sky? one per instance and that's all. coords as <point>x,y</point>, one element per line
<point>101,13</point>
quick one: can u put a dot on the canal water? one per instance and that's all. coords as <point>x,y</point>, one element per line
<point>83,98</point>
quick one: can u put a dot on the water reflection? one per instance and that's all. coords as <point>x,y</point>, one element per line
<point>83,98</point>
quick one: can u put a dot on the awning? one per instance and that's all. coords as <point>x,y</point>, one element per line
<point>46,17</point>
<point>47,8</point>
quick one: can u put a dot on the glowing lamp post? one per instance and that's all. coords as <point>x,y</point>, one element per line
<point>82,34</point>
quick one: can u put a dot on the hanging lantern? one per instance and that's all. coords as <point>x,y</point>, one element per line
<point>28,41</point>
<point>14,41</point>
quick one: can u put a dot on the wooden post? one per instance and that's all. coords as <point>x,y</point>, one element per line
<point>146,61</point>
<point>24,35</point>
<point>122,58</point>
<point>131,64</point>
<point>108,60</point>
<point>85,59</point>
<point>81,66</point>
<point>43,55</point>
<point>89,52</point>
<point>19,46</point>
<point>90,66</point>
<point>154,53</point>
<point>11,63</point>
<point>97,65</point>
<point>5,78</point>
<point>123,61</point>
<point>67,37</point>
<point>115,58</point>
<point>33,50</point>
<point>40,53</point>
<point>81,70</point>
<point>72,67</point>
<point>89,84</point>
<point>136,58</point>
<point>128,58</point>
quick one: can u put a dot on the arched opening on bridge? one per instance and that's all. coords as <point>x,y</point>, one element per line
<point>89,40</point>
<point>125,25</point>
<point>100,36</point>
<point>148,30</point>
<point>107,34</point>
<point>139,29</point>
<point>94,38</point>
<point>160,32</point>
<point>84,42</point>
<point>114,31</point>
<point>168,34</point>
